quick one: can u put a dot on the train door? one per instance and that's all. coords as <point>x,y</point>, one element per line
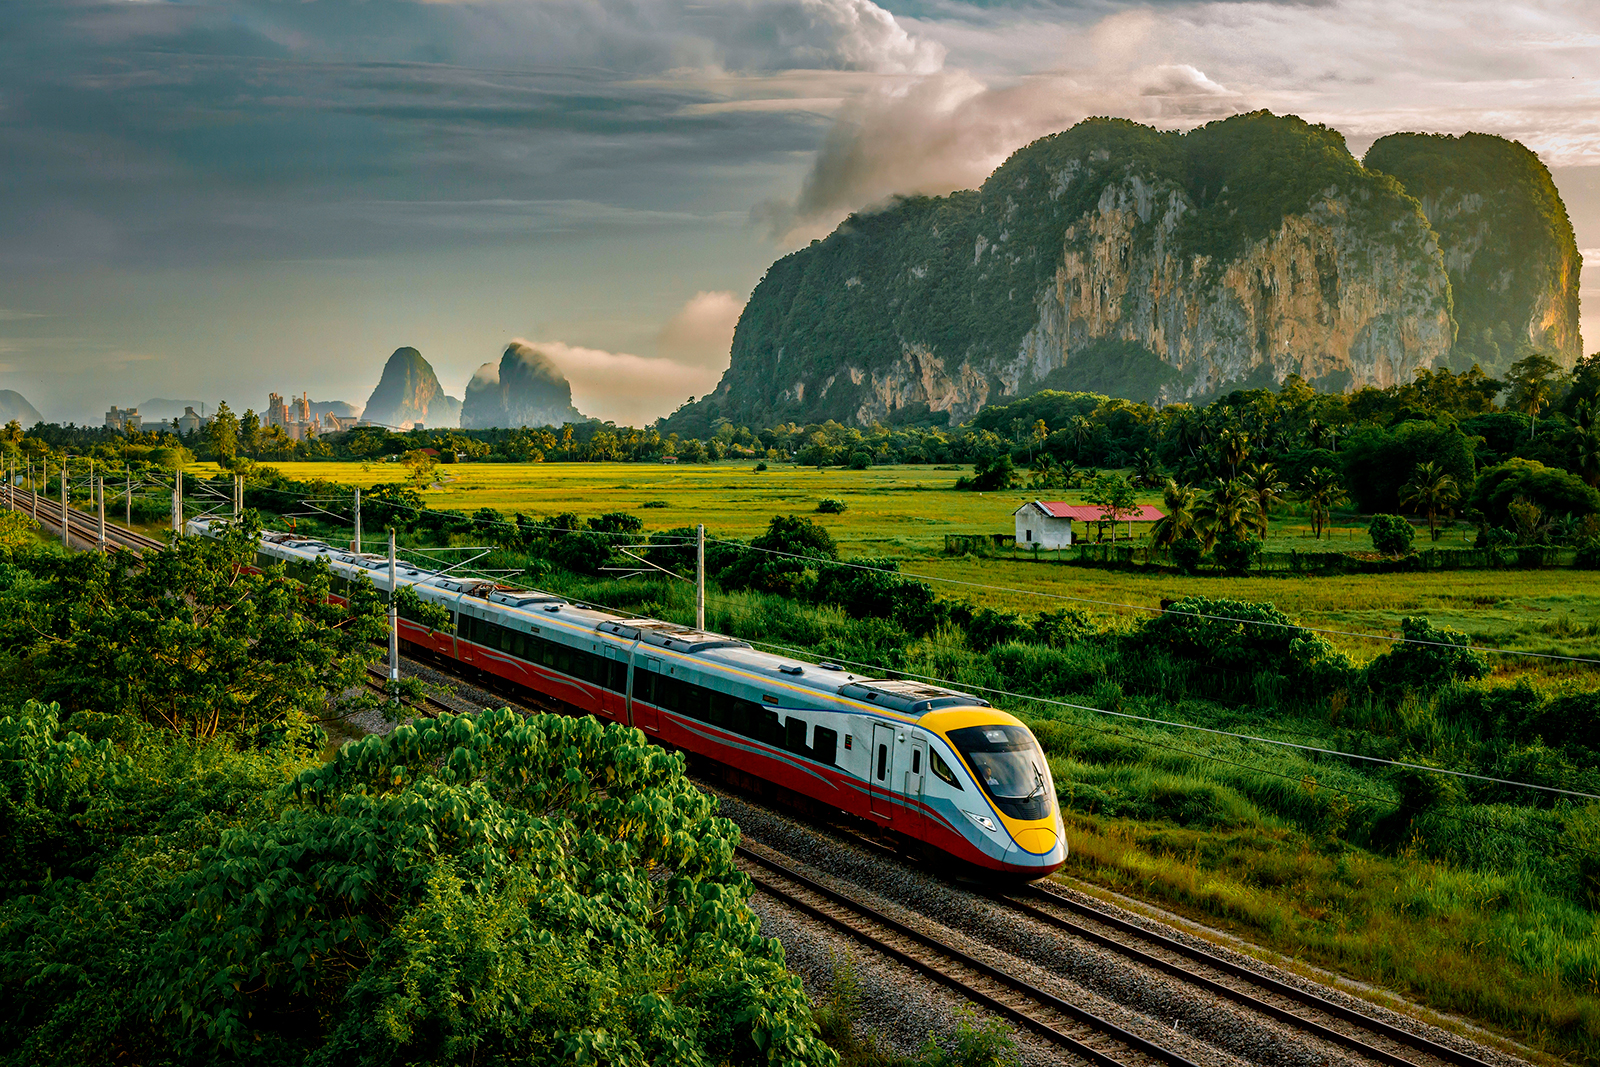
<point>614,683</point>
<point>465,633</point>
<point>642,694</point>
<point>881,772</point>
<point>915,776</point>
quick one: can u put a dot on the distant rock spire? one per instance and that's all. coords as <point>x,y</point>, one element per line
<point>524,389</point>
<point>408,393</point>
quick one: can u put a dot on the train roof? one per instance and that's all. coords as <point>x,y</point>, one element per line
<point>906,696</point>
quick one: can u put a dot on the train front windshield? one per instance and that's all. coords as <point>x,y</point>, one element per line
<point>1009,766</point>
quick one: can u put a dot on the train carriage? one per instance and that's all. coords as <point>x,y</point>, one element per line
<point>924,763</point>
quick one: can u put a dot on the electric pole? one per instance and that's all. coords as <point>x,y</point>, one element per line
<point>394,626</point>
<point>100,498</point>
<point>66,541</point>
<point>700,577</point>
<point>357,545</point>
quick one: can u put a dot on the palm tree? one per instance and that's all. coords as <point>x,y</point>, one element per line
<point>1179,520</point>
<point>1229,509</point>
<point>1321,490</point>
<point>1315,432</point>
<point>1263,480</point>
<point>1430,491</point>
<point>1233,446</point>
<point>1589,455</point>
<point>1531,387</point>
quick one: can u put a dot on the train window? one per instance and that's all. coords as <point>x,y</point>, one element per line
<point>617,675</point>
<point>824,745</point>
<point>883,761</point>
<point>794,735</point>
<point>942,769</point>
<point>916,761</point>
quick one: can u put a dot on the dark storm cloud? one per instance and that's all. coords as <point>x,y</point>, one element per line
<point>156,132</point>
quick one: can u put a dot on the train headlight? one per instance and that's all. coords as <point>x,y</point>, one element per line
<point>983,821</point>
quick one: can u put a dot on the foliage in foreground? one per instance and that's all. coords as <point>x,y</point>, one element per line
<point>490,891</point>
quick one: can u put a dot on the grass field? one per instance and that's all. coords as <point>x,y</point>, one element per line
<point>899,510</point>
<point>905,511</point>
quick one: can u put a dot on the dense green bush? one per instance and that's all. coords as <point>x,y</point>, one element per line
<point>1229,641</point>
<point>461,891</point>
<point>1430,658</point>
<point>1391,534</point>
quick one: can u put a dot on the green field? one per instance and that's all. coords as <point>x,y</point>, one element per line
<point>905,511</point>
<point>897,510</point>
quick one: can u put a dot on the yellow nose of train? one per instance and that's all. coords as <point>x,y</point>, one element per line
<point>1001,801</point>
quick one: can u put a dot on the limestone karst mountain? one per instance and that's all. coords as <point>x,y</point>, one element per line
<point>1121,259</point>
<point>409,392</point>
<point>14,406</point>
<point>523,389</point>
<point>1508,244</point>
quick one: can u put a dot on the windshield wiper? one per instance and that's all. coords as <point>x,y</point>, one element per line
<point>1038,783</point>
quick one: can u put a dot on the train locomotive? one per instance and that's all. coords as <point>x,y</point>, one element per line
<point>933,768</point>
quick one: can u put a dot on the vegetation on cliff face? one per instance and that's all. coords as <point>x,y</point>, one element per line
<point>959,282</point>
<point>1156,265</point>
<point>1508,244</point>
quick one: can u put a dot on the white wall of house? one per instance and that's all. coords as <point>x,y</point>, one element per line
<point>1034,527</point>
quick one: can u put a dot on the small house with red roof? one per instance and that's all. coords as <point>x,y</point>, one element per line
<point>1049,524</point>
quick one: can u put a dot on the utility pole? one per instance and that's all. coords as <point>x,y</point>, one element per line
<point>700,577</point>
<point>100,498</point>
<point>238,495</point>
<point>11,486</point>
<point>394,627</point>
<point>33,491</point>
<point>128,470</point>
<point>357,545</point>
<point>66,541</point>
<point>177,504</point>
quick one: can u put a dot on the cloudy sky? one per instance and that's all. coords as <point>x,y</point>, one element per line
<point>204,200</point>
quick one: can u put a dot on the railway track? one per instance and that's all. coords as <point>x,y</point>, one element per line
<point>1270,995</point>
<point>1059,1022</point>
<point>83,530</point>
<point>1073,1030</point>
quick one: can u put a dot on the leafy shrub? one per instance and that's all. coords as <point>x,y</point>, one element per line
<point>860,461</point>
<point>831,506</point>
<point>454,892</point>
<point>1237,555</point>
<point>1231,640</point>
<point>1063,627</point>
<point>1391,534</point>
<point>1588,557</point>
<point>1445,657</point>
<point>990,627</point>
<point>1187,553</point>
<point>654,504</point>
<point>762,466</point>
<point>990,474</point>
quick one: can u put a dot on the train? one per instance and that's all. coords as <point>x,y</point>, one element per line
<point>933,769</point>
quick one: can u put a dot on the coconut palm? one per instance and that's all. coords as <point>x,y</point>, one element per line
<point>1321,490</point>
<point>1179,521</point>
<point>1430,491</point>
<point>1230,509</point>
<point>1269,488</point>
<point>1233,446</point>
